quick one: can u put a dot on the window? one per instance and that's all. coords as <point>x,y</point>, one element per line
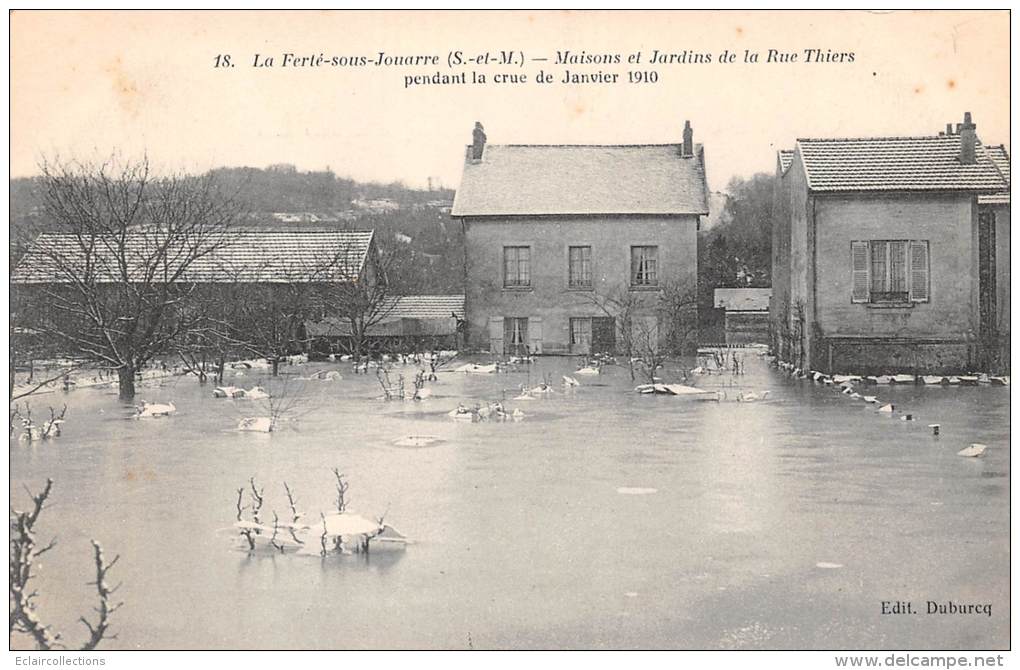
<point>579,270</point>
<point>516,267</point>
<point>580,333</point>
<point>515,335</point>
<point>644,262</point>
<point>889,271</point>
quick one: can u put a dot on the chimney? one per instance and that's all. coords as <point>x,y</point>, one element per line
<point>688,148</point>
<point>949,129</point>
<point>968,141</point>
<point>477,142</point>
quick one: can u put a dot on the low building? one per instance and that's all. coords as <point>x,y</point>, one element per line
<point>553,233</point>
<point>402,324</point>
<point>747,314</point>
<point>294,271</point>
<point>881,260</point>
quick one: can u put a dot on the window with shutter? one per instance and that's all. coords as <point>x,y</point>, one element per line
<point>533,329</point>
<point>919,273</point>
<point>861,280</point>
<point>496,334</point>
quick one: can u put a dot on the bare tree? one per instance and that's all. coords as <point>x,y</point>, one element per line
<point>363,302</point>
<point>623,306</point>
<point>678,315</point>
<point>113,283</point>
<point>23,555</point>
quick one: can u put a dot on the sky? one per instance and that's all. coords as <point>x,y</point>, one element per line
<point>85,85</point>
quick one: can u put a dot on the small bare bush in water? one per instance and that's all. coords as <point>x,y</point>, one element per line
<point>24,556</point>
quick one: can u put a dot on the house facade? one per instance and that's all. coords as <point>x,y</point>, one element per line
<point>877,263</point>
<point>558,236</point>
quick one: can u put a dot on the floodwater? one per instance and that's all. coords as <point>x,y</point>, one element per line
<point>776,524</point>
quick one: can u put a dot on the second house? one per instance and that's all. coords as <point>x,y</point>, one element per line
<point>556,236</point>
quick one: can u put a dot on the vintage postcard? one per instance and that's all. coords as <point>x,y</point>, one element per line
<point>511,330</point>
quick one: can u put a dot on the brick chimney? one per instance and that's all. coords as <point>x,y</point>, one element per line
<point>688,148</point>
<point>477,142</point>
<point>968,141</point>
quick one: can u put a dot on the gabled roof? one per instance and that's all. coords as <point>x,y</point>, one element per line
<point>1000,157</point>
<point>535,180</point>
<point>785,159</point>
<point>896,164</point>
<point>243,256</point>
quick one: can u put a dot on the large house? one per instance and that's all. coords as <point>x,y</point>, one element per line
<point>890,254</point>
<point>553,233</point>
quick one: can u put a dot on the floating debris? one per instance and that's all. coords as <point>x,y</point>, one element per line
<point>691,392</point>
<point>825,565</point>
<point>570,381</point>
<point>417,441</point>
<point>887,409</point>
<point>589,370</point>
<point>473,368</point>
<point>256,424</point>
<point>999,381</point>
<point>636,491</point>
<point>870,398</point>
<point>907,417</point>
<point>904,379</point>
<point>934,428</point>
<point>974,450</point>
<point>228,392</point>
<point>933,379</point>
<point>256,393</point>
<point>149,410</point>
<point>752,396</point>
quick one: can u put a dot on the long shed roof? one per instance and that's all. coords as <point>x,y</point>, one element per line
<point>245,256</point>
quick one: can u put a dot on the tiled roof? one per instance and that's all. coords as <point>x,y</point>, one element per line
<point>1000,157</point>
<point>895,164</point>
<point>402,315</point>
<point>518,180</point>
<point>246,256</point>
<point>785,159</point>
<point>425,307</point>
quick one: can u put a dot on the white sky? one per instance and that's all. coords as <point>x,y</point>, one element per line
<point>84,84</point>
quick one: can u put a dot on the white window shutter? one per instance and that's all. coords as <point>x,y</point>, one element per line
<point>496,334</point>
<point>535,334</point>
<point>919,271</point>
<point>860,265</point>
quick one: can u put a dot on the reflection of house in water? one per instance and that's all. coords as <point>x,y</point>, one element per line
<point>891,253</point>
<point>402,324</point>
<point>747,314</point>
<point>547,228</point>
